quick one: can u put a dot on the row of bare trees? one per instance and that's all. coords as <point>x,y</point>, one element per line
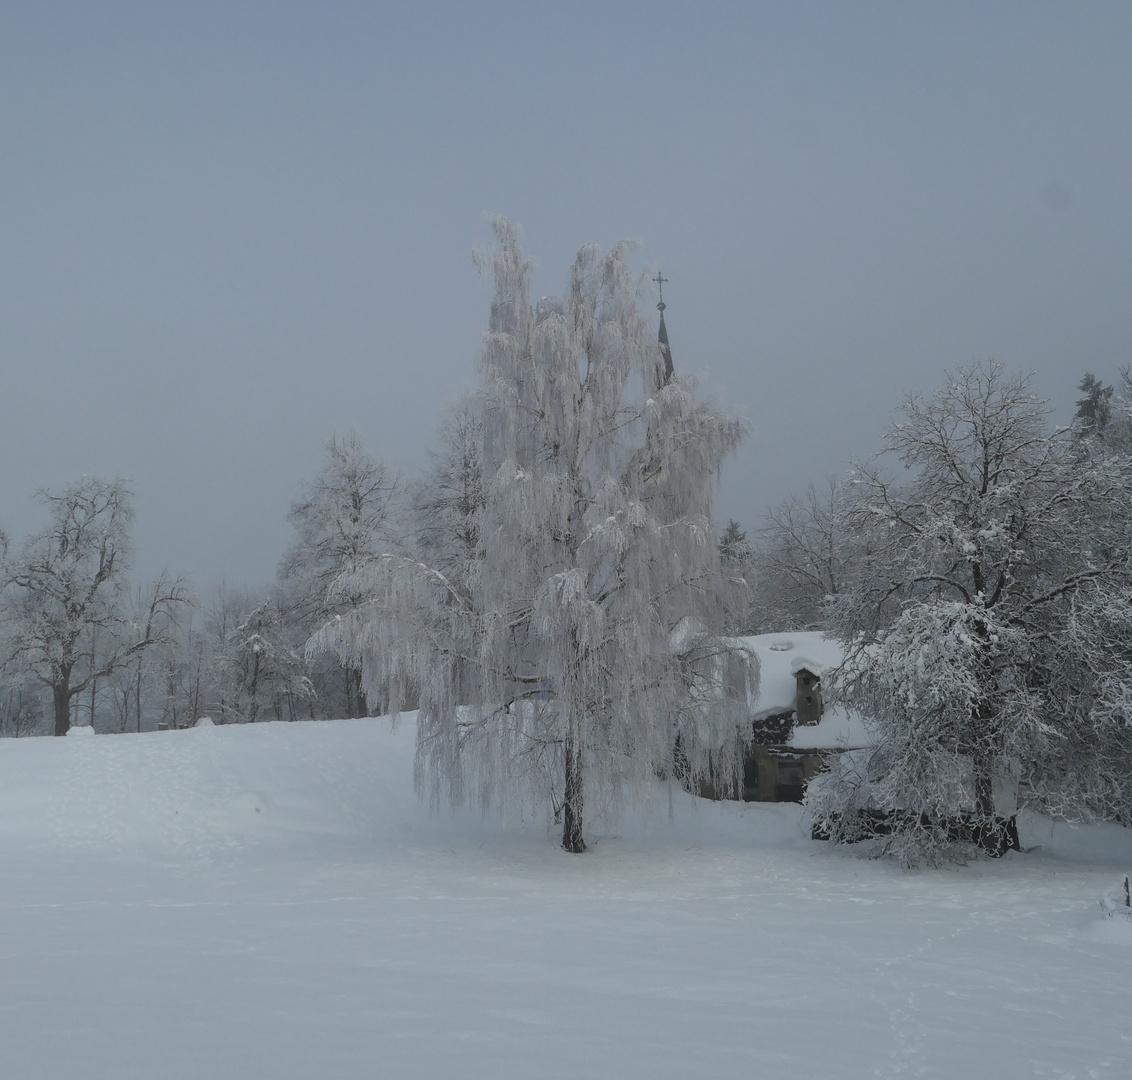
<point>85,644</point>
<point>66,614</point>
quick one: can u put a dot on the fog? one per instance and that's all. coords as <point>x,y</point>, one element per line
<point>228,229</point>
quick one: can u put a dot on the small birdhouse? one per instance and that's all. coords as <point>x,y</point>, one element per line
<point>809,705</point>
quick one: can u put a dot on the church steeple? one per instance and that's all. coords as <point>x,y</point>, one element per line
<point>662,337</point>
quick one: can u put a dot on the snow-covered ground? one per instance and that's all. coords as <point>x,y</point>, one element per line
<point>272,901</point>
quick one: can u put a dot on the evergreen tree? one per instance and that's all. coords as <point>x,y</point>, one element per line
<point>1094,409</point>
<point>733,546</point>
<point>736,560</point>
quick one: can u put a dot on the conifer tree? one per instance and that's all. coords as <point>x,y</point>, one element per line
<point>1094,409</point>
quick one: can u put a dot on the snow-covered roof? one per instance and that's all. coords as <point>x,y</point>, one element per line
<point>781,657</point>
<point>839,729</point>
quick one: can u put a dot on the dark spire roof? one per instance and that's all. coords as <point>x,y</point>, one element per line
<point>662,335</point>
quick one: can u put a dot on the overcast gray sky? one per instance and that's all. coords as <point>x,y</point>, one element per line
<point>228,228</point>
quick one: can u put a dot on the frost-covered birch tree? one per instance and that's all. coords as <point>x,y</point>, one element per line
<point>958,611</point>
<point>562,665</point>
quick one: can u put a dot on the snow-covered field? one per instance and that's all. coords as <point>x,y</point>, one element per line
<point>272,901</point>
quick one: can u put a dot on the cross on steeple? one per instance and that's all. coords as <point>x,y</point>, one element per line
<point>665,373</point>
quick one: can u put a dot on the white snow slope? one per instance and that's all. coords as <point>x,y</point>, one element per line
<point>272,901</point>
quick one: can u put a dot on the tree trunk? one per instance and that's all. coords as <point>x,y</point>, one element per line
<point>61,692</point>
<point>991,831</point>
<point>93,676</point>
<point>572,839</point>
<point>996,835</point>
<point>137,693</point>
<point>195,707</point>
<point>361,707</point>
<point>984,792</point>
<point>255,688</point>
